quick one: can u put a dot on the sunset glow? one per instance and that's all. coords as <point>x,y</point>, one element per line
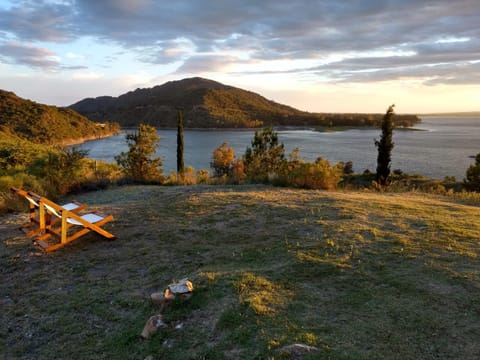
<point>322,56</point>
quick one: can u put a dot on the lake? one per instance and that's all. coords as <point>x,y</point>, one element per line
<point>442,148</point>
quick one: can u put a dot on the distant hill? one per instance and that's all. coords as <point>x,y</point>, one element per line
<point>210,104</point>
<point>46,124</point>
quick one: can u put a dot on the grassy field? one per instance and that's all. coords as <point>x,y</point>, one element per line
<point>357,275</point>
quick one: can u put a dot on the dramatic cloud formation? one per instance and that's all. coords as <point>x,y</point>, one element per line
<point>308,43</point>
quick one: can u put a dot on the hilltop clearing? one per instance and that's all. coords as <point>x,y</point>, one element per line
<point>357,275</point>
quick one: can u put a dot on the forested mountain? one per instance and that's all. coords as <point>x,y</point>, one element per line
<point>209,104</point>
<point>46,124</point>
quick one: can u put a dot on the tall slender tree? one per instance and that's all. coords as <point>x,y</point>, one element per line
<point>385,147</point>
<point>180,161</point>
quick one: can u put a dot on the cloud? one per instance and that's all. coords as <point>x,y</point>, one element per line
<point>166,52</point>
<point>35,57</point>
<point>39,21</point>
<point>337,35</point>
<point>205,64</point>
<point>87,75</point>
<point>72,55</point>
<point>13,52</point>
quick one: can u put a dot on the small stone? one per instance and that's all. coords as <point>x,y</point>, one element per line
<point>153,324</point>
<point>182,287</point>
<point>160,299</point>
<point>296,351</point>
<point>168,343</point>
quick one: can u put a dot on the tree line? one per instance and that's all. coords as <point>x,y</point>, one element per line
<point>264,161</point>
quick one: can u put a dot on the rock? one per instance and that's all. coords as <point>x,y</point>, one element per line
<point>184,286</point>
<point>161,300</point>
<point>168,343</point>
<point>296,351</point>
<point>153,324</point>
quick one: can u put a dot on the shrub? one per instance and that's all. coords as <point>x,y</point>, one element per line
<point>238,172</point>
<point>189,176</point>
<point>172,178</point>
<point>348,168</point>
<point>8,201</point>
<point>222,160</point>
<point>203,176</point>
<point>318,175</point>
<point>62,170</point>
<point>264,157</point>
<point>472,180</point>
<point>138,162</point>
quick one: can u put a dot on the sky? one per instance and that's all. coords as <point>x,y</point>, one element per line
<point>319,56</point>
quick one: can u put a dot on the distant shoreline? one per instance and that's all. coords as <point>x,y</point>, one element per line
<point>280,128</point>
<point>82,140</point>
<point>458,114</point>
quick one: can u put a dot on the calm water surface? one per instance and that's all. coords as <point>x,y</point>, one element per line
<point>442,148</point>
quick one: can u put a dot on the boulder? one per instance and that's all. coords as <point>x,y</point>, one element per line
<point>184,286</point>
<point>153,324</point>
<point>162,299</point>
<point>297,351</point>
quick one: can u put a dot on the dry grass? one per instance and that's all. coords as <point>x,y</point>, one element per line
<point>358,275</point>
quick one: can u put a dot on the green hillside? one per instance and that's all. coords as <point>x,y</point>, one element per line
<point>209,104</point>
<point>46,124</point>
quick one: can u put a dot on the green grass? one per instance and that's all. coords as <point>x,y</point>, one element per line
<point>358,275</point>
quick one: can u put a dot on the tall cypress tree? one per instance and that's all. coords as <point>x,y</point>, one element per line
<point>180,162</point>
<point>385,146</point>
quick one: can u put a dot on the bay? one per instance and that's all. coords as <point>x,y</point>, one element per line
<point>443,146</point>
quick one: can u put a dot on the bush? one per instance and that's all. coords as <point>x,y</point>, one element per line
<point>318,175</point>
<point>189,176</point>
<point>203,176</point>
<point>264,157</point>
<point>348,168</point>
<point>138,162</point>
<point>472,180</point>
<point>222,160</point>
<point>238,172</point>
<point>9,201</point>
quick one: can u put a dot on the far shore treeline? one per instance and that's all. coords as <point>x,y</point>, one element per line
<point>33,139</point>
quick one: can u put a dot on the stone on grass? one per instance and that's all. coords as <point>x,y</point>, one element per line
<point>184,286</point>
<point>161,300</point>
<point>296,351</point>
<point>153,324</point>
